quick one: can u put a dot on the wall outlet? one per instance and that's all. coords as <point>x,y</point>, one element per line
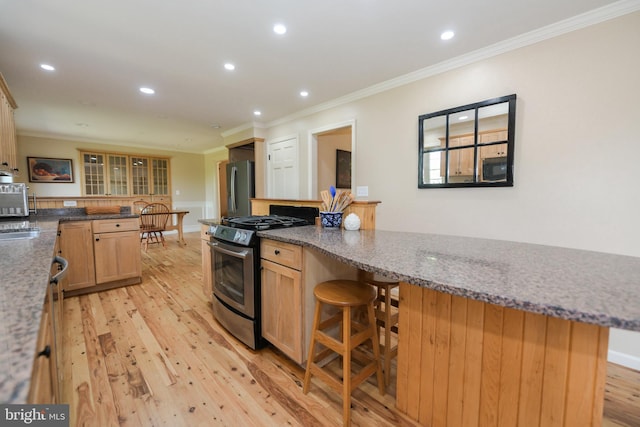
<point>362,191</point>
<point>69,203</point>
<point>177,192</point>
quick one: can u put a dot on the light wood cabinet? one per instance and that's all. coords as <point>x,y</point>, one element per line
<point>207,276</point>
<point>498,150</point>
<point>8,139</point>
<point>116,245</point>
<point>100,252</point>
<point>282,304</point>
<point>461,161</point>
<point>118,174</point>
<point>76,246</point>
<point>289,274</point>
<point>45,375</point>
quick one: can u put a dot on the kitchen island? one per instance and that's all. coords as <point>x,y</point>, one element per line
<point>26,266</point>
<point>494,332</point>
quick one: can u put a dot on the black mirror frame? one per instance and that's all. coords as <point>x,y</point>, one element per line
<point>511,129</point>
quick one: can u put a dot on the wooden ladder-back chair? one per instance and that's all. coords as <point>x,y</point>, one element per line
<point>153,219</point>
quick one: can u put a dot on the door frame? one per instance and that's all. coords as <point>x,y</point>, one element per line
<point>312,179</point>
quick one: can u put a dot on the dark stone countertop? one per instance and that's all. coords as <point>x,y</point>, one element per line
<point>25,266</point>
<point>584,286</point>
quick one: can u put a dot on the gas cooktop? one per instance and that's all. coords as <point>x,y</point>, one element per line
<point>264,222</point>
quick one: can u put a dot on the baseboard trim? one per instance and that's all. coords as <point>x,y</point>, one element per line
<point>624,359</point>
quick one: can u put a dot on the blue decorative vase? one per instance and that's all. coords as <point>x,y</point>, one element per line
<point>331,219</point>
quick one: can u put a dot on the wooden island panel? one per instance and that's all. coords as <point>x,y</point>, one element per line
<point>468,363</point>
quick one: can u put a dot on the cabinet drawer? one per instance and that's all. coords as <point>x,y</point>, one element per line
<point>282,253</point>
<point>113,225</point>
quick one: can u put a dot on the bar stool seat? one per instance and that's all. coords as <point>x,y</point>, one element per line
<point>346,295</point>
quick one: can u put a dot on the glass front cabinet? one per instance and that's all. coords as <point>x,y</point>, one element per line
<point>106,174</point>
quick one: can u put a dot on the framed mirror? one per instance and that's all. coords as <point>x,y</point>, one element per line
<point>468,146</point>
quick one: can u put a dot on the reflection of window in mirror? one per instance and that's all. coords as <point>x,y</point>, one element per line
<point>467,146</point>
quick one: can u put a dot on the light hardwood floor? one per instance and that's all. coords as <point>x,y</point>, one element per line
<point>152,355</point>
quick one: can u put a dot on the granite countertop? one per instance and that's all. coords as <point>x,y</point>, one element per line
<point>211,221</point>
<point>584,286</point>
<point>25,266</point>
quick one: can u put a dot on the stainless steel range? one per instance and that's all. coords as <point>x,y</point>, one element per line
<point>235,263</point>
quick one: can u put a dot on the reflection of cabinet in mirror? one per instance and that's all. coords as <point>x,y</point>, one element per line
<point>461,161</point>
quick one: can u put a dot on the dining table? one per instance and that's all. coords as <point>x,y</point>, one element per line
<point>179,215</point>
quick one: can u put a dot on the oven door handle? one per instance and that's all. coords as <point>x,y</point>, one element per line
<point>220,248</point>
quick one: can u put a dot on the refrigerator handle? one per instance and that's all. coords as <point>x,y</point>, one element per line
<point>234,173</point>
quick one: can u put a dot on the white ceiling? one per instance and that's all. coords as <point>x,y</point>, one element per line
<point>104,51</point>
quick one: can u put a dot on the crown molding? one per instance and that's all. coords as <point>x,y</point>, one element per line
<point>574,23</point>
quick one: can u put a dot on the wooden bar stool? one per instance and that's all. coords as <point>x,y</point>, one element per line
<point>346,295</point>
<point>386,305</point>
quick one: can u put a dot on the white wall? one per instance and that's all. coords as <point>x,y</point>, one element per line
<point>576,149</point>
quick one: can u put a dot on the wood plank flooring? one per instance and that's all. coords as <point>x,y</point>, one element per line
<point>152,355</point>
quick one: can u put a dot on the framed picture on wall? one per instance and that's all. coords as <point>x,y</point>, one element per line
<point>43,169</point>
<point>343,169</point>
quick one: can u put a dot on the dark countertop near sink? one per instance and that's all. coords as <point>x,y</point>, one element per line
<point>584,286</point>
<point>25,266</point>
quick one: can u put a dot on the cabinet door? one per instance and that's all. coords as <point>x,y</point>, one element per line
<point>42,387</point>
<point>117,256</point>
<point>282,316</point>
<point>207,277</point>
<point>118,175</point>
<point>499,150</point>
<point>94,174</point>
<point>160,173</point>
<point>76,246</point>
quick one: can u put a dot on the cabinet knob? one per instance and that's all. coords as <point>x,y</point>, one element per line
<point>97,239</point>
<point>277,252</point>
<point>46,352</point>
<point>117,225</point>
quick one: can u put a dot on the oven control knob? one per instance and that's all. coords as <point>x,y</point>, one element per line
<point>241,236</point>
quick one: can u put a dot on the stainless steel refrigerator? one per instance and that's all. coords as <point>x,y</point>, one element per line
<point>240,187</point>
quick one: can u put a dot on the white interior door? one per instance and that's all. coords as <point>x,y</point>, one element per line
<point>282,168</point>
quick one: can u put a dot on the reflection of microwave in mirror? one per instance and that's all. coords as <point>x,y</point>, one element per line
<point>494,169</point>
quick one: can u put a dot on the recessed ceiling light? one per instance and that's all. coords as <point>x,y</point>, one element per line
<point>215,126</point>
<point>463,117</point>
<point>447,35</point>
<point>257,113</point>
<point>147,90</point>
<point>279,29</point>
<point>304,93</point>
<point>229,66</point>
<point>47,67</point>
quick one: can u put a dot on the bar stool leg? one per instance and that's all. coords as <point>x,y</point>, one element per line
<point>376,348</point>
<point>387,336</point>
<point>346,366</point>
<point>312,346</point>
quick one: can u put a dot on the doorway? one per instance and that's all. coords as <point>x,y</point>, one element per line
<point>324,143</point>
